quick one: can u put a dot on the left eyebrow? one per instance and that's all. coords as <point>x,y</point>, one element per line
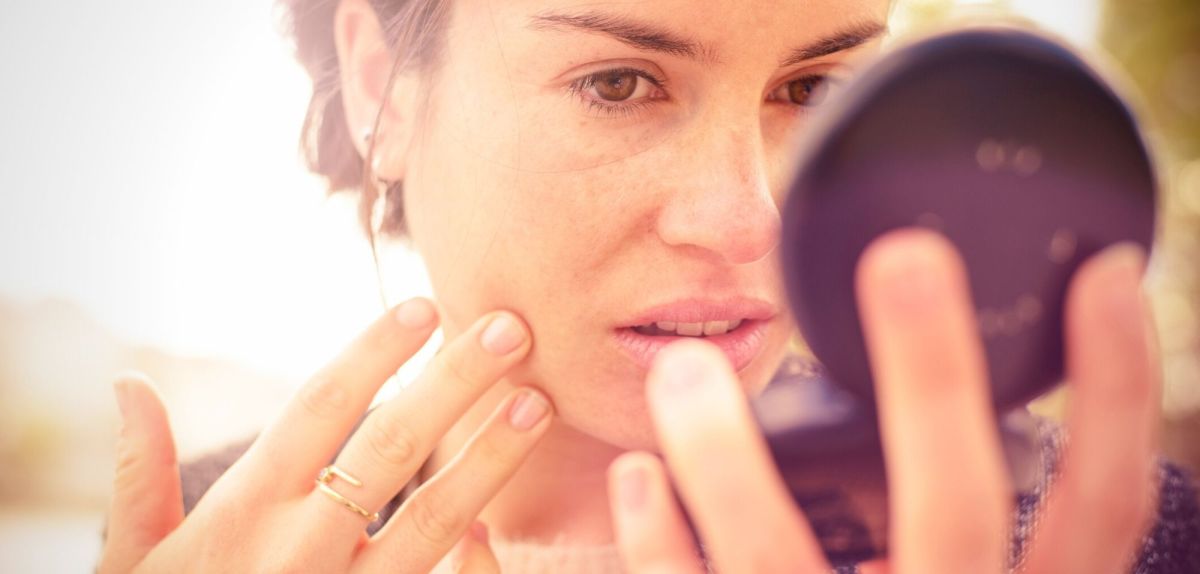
<point>845,40</point>
<point>645,36</point>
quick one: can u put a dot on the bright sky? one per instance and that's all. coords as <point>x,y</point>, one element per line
<point>150,175</point>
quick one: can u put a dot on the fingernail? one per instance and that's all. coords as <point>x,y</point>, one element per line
<point>1125,263</point>
<point>502,336</point>
<point>527,410</point>
<point>631,488</point>
<point>679,367</point>
<point>1125,255</point>
<point>415,313</point>
<point>479,532</point>
<point>911,273</point>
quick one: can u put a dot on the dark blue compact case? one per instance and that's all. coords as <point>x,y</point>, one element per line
<point>1003,140</point>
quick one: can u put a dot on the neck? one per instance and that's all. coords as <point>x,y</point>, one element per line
<point>559,495</point>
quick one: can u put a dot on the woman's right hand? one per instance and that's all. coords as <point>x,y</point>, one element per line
<point>265,514</point>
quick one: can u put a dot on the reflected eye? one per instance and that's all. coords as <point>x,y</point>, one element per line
<point>809,91</point>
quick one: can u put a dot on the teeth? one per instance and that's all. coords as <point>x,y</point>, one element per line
<point>690,329</point>
<point>716,327</point>
<point>706,329</point>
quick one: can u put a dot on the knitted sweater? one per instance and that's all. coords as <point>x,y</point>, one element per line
<point>1171,547</point>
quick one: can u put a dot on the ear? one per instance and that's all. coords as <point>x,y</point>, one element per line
<point>366,63</point>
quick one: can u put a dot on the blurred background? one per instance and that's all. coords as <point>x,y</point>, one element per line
<point>155,215</point>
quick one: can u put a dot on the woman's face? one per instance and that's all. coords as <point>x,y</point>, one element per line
<point>599,167</point>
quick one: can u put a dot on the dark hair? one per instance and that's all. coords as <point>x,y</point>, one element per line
<point>413,30</point>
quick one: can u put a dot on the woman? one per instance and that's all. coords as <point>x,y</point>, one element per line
<point>583,180</point>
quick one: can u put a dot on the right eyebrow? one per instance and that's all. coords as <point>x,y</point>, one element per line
<point>637,34</point>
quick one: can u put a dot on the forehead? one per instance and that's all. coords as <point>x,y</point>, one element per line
<point>719,28</point>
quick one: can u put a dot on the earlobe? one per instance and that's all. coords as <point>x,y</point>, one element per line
<point>374,115</point>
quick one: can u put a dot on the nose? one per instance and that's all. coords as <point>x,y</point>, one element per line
<point>720,202</point>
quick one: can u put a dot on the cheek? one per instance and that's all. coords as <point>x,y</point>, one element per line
<point>494,237</point>
<point>580,221</point>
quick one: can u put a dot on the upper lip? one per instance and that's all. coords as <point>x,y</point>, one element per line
<point>703,310</point>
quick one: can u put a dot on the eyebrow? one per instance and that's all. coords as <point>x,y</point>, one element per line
<point>636,34</point>
<point>647,37</point>
<point>844,40</point>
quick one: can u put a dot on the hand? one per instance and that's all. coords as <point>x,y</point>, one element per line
<point>951,502</point>
<point>265,514</point>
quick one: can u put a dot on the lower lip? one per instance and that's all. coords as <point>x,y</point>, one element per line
<point>740,345</point>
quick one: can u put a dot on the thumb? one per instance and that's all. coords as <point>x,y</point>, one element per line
<point>473,555</point>
<point>147,501</point>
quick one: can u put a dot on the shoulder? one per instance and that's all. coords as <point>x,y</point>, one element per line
<point>1172,545</point>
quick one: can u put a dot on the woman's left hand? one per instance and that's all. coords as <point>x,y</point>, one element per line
<point>951,501</point>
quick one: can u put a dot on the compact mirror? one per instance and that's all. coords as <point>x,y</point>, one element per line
<point>1010,145</point>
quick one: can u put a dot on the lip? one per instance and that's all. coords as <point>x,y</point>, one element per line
<point>703,310</point>
<point>740,346</point>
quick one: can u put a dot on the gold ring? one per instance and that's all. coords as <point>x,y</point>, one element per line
<point>327,475</point>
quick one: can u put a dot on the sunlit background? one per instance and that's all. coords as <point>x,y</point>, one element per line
<point>155,215</point>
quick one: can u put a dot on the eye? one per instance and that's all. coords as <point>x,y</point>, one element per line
<point>623,85</point>
<point>808,91</point>
<point>616,86</point>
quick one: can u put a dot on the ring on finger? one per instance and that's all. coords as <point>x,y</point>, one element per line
<point>327,475</point>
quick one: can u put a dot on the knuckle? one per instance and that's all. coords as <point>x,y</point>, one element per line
<point>325,397</point>
<point>968,540</point>
<point>1126,511</point>
<point>382,338</point>
<point>643,555</point>
<point>127,472</point>
<point>490,453</point>
<point>392,441</point>
<point>461,372</point>
<point>137,462</point>
<point>1119,491</point>
<point>990,515</point>
<point>1133,392</point>
<point>435,520</point>
<point>1124,519</point>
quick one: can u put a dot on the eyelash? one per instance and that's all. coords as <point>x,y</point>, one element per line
<point>579,88</point>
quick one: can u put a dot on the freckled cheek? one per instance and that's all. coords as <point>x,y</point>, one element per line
<point>517,242</point>
<point>573,222</point>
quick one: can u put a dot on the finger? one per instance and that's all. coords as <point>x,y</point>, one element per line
<point>439,512</point>
<point>473,555</point>
<point>392,444</point>
<point>874,567</point>
<point>948,486</point>
<point>317,420</point>
<point>147,502</point>
<point>652,535</point>
<point>722,467</point>
<point>1102,501</point>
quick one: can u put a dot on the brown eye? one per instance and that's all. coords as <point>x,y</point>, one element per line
<point>616,86</point>
<point>808,91</point>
